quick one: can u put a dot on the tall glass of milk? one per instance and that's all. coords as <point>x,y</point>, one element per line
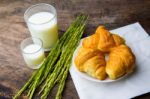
<point>33,52</point>
<point>41,20</point>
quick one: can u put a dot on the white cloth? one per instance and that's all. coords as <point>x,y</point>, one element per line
<point>134,85</point>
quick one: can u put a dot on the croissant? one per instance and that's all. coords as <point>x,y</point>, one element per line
<point>121,61</point>
<point>102,40</point>
<point>91,61</point>
<point>118,40</point>
<point>91,56</point>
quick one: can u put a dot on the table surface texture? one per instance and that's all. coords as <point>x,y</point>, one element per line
<point>111,13</point>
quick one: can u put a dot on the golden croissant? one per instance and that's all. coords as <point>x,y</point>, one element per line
<point>121,61</point>
<point>102,40</point>
<point>91,56</point>
<point>91,61</point>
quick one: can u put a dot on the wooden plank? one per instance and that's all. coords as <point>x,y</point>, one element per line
<point>111,13</point>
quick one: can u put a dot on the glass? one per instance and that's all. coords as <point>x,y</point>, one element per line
<point>33,52</point>
<point>41,20</point>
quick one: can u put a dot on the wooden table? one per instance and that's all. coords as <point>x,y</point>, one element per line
<point>111,13</point>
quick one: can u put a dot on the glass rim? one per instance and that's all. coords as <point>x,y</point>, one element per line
<point>28,9</point>
<point>31,38</point>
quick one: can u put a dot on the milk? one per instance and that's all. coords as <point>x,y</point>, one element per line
<point>43,25</point>
<point>33,55</point>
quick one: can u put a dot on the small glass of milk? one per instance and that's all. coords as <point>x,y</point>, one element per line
<point>33,52</point>
<point>41,20</point>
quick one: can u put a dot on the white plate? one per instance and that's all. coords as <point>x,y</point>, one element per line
<point>86,76</point>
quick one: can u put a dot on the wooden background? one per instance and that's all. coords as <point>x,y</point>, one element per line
<point>111,13</point>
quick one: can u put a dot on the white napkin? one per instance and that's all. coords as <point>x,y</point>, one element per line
<point>136,84</point>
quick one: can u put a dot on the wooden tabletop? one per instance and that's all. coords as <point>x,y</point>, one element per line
<point>111,13</point>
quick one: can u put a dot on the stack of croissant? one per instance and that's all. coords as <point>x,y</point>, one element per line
<point>91,56</point>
